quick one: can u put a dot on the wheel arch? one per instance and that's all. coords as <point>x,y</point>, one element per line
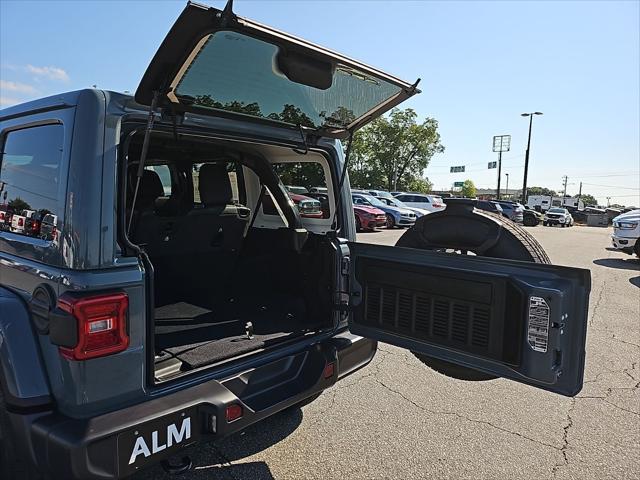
<point>22,374</point>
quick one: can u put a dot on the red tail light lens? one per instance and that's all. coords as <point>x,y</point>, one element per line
<point>21,222</point>
<point>102,325</point>
<point>233,412</point>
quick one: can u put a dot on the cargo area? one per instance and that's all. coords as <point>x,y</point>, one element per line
<point>229,276</point>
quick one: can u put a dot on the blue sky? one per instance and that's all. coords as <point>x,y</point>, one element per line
<point>481,65</point>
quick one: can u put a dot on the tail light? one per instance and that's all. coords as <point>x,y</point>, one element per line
<point>35,226</point>
<point>21,222</point>
<point>101,323</point>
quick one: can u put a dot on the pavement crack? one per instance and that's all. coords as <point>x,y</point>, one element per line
<point>597,304</point>
<point>463,417</point>
<point>565,439</point>
<point>624,341</point>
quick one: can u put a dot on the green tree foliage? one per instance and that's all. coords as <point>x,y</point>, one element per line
<point>420,185</point>
<point>392,152</point>
<point>468,189</point>
<point>588,199</point>
<point>541,191</point>
<point>18,205</point>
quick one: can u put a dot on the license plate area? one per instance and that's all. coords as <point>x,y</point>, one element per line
<point>151,441</point>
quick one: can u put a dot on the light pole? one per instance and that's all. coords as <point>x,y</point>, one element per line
<point>526,158</point>
<point>507,192</point>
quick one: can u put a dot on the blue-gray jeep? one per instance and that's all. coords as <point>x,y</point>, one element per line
<point>149,301</point>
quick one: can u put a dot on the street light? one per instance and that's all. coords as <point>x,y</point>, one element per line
<point>507,175</point>
<point>526,158</point>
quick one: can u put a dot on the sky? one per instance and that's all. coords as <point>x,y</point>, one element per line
<point>481,65</point>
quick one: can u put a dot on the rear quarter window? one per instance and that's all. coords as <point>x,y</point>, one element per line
<point>30,180</point>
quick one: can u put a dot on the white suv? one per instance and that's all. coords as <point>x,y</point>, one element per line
<point>626,232</point>
<point>433,203</point>
<point>558,216</point>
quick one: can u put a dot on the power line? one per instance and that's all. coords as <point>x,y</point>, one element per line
<point>612,186</point>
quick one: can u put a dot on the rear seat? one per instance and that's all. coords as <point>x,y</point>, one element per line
<point>212,233</point>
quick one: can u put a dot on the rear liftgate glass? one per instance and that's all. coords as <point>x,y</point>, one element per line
<point>518,320</point>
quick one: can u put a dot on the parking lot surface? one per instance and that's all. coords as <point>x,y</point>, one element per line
<point>398,419</point>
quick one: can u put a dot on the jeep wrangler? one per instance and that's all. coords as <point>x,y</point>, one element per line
<point>167,290</point>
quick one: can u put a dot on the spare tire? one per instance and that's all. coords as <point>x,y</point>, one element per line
<point>463,229</point>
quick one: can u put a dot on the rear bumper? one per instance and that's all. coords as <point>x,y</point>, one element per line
<point>102,447</point>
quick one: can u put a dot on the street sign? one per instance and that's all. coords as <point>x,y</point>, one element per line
<point>458,184</point>
<point>456,169</point>
<point>492,165</point>
<point>501,143</point>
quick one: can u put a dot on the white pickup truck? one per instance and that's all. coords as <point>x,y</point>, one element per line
<point>626,232</point>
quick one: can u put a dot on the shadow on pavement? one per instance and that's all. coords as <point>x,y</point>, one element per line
<point>625,264</point>
<point>261,436</point>
<point>635,281</point>
<point>212,461</point>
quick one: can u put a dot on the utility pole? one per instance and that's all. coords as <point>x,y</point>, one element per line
<point>580,192</point>
<point>565,180</point>
<point>526,157</point>
<point>507,175</point>
<point>608,202</point>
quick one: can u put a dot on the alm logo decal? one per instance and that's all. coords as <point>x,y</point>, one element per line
<point>174,436</point>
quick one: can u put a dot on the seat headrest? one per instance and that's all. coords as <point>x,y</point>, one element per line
<point>150,189</point>
<point>214,185</point>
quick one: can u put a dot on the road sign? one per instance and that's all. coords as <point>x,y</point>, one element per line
<point>456,169</point>
<point>458,184</point>
<point>492,165</point>
<point>501,143</point>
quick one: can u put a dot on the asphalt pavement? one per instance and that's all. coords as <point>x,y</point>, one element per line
<point>398,419</point>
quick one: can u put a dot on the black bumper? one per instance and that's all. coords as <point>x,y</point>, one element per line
<point>100,447</point>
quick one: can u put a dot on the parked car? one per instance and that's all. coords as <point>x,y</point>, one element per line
<point>18,221</point>
<point>396,217</point>
<point>297,189</point>
<point>379,193</point>
<point>513,210</point>
<point>155,319</point>
<point>491,206</point>
<point>433,203</point>
<point>558,216</point>
<point>368,217</point>
<point>531,217</point>
<point>307,206</point>
<point>394,202</point>
<point>5,219</point>
<point>49,227</point>
<point>626,232</point>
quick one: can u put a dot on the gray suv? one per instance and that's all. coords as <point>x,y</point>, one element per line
<point>160,304</point>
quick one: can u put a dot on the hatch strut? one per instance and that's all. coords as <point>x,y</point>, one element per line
<point>304,142</point>
<point>338,195</point>
<point>143,154</point>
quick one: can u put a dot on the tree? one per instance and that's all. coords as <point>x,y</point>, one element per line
<point>541,191</point>
<point>468,189</point>
<point>392,152</point>
<point>420,185</point>
<point>588,199</point>
<point>18,205</point>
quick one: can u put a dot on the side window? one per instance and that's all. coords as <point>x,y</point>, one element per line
<point>29,181</point>
<point>303,176</point>
<point>424,199</point>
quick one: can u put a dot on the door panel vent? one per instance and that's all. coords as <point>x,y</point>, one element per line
<point>437,319</point>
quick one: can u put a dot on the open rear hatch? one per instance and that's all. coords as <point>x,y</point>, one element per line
<point>215,63</point>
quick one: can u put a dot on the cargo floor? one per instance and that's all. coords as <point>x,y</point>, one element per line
<point>198,335</point>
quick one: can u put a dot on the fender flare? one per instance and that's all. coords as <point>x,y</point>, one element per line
<point>22,373</point>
